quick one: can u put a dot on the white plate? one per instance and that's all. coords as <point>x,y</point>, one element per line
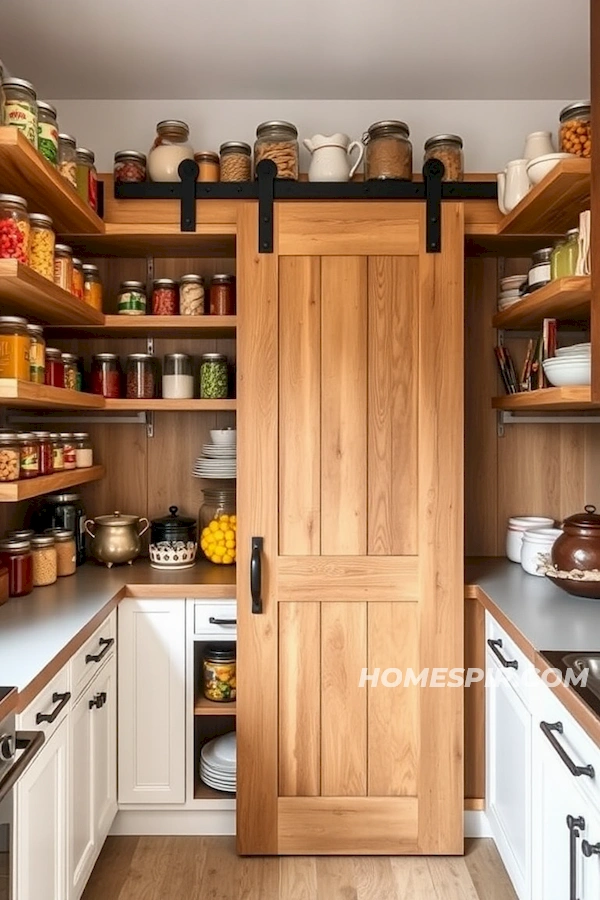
<point>202,471</point>
<point>214,477</point>
<point>218,454</point>
<point>221,751</point>
<point>214,463</point>
<point>217,771</point>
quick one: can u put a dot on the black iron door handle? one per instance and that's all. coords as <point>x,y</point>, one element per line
<point>507,663</point>
<point>548,728</point>
<point>214,621</point>
<point>590,849</point>
<point>62,700</point>
<point>256,575</point>
<point>575,826</point>
<point>98,701</point>
<point>106,644</point>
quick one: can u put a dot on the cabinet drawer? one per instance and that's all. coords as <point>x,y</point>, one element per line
<point>96,650</point>
<point>501,647</point>
<point>53,702</point>
<point>216,620</point>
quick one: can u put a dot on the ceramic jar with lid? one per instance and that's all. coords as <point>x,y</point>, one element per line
<point>579,545</point>
<point>171,146</point>
<point>173,541</point>
<point>448,148</point>
<point>20,107</point>
<point>278,141</point>
<point>576,129</point>
<point>389,151</point>
<point>116,537</point>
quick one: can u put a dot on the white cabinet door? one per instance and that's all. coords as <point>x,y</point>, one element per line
<point>590,851</point>
<point>151,732</point>
<point>41,822</point>
<point>104,742</point>
<point>81,826</point>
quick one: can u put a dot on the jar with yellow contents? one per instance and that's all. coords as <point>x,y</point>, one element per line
<point>219,672</point>
<point>41,248</point>
<point>218,526</point>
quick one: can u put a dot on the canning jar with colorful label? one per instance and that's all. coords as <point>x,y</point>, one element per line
<point>58,452</point>
<point>14,348</point>
<point>165,297</point>
<point>45,566</point>
<point>219,672</point>
<point>41,245</point>
<point>37,354</point>
<point>45,452</point>
<point>129,167</point>
<point>10,457</point>
<point>63,267</point>
<point>48,132</point>
<point>92,286</point>
<point>29,449</point>
<point>15,555</point>
<point>69,451</point>
<point>213,376</point>
<point>14,228</point>
<point>20,107</point>
<point>70,366</point>
<point>221,301</point>
<point>67,159</point>
<point>55,370</point>
<point>106,375</point>
<point>132,299</point>
<point>77,279</point>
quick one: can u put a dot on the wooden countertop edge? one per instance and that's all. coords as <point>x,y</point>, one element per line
<point>9,704</point>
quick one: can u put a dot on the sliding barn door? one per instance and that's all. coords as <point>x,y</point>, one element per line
<point>350,436</point>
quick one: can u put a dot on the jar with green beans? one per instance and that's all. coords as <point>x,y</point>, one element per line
<point>213,376</point>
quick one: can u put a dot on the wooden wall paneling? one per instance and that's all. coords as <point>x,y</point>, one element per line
<point>591,490</point>
<point>344,405</point>
<point>300,405</point>
<point>595,198</point>
<point>112,272</point>
<point>122,449</point>
<point>393,330</point>
<point>175,267</point>
<point>474,701</point>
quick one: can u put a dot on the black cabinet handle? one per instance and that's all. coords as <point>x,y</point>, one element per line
<point>62,700</point>
<point>590,849</point>
<point>106,644</point>
<point>98,701</point>
<point>507,663</point>
<point>574,826</point>
<point>214,621</point>
<point>548,728</point>
<point>256,575</point>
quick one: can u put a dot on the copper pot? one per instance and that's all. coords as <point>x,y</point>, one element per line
<point>116,538</point>
<point>579,545</point>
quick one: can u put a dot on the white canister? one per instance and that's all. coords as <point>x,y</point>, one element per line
<point>170,147</point>
<point>517,525</point>
<point>537,542</point>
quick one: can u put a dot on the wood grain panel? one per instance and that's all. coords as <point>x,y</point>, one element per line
<point>474,702</point>
<point>343,702</point>
<point>343,405</point>
<point>346,579</point>
<point>393,712</point>
<point>595,200</point>
<point>299,699</point>
<point>299,405</point>
<point>392,407</point>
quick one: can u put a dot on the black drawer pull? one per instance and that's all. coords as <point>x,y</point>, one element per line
<point>214,621</point>
<point>106,644</point>
<point>548,728</point>
<point>507,663</point>
<point>98,701</point>
<point>62,700</point>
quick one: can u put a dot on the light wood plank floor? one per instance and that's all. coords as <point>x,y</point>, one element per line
<point>207,868</point>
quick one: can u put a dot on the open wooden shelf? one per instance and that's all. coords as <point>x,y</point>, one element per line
<point>167,326</point>
<point>172,405</point>
<point>553,205</point>
<point>204,792</point>
<point>160,238</point>
<point>565,298</point>
<point>25,172</point>
<point>26,293</point>
<point>26,394</point>
<point>548,399</point>
<point>11,492</point>
<point>204,707</point>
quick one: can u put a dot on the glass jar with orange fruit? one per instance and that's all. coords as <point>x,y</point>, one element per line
<point>218,526</point>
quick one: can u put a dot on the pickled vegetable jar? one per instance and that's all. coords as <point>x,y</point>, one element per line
<point>47,132</point>
<point>165,297</point>
<point>14,348</point>
<point>37,354</point>
<point>132,299</point>
<point>41,247</point>
<point>213,376</point>
<point>70,367</point>
<point>14,228</point>
<point>20,107</point>
<point>217,524</point>
<point>218,672</point>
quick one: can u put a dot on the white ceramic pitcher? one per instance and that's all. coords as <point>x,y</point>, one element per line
<point>538,143</point>
<point>330,157</point>
<point>513,185</point>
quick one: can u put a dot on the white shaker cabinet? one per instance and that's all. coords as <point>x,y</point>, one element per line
<point>151,720</point>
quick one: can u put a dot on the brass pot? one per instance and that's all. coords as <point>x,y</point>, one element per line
<point>579,545</point>
<point>116,538</point>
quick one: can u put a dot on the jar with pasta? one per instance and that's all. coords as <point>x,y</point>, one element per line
<point>45,565</point>
<point>66,552</point>
<point>77,279</point>
<point>208,165</point>
<point>129,167</point>
<point>37,354</point>
<point>14,228</point>
<point>236,161</point>
<point>448,148</point>
<point>389,151</point>
<point>10,457</point>
<point>20,107</point>
<point>576,129</point>
<point>70,365</point>
<point>14,348</point>
<point>63,266</point>
<point>278,141</point>
<point>41,245</point>
<point>45,452</point>
<point>47,132</point>
<point>29,452</point>
<point>191,295</point>
<point>92,286</point>
<point>67,159</point>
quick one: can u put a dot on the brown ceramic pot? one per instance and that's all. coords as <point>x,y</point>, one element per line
<point>579,545</point>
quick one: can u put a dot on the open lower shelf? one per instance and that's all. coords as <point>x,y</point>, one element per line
<point>577,397</point>
<point>553,205</point>
<point>11,492</point>
<point>204,707</point>
<point>24,292</point>
<point>204,792</point>
<point>42,396</point>
<point>173,405</point>
<point>565,298</point>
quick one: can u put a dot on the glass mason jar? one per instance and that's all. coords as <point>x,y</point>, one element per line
<point>221,298</point>
<point>540,272</point>
<point>37,354</point>
<point>67,159</point>
<point>213,376</point>
<point>178,378</point>
<point>66,552</point>
<point>67,512</point>
<point>92,286</point>
<point>10,457</point>
<point>14,348</point>
<point>165,297</point>
<point>84,455</point>
<point>14,228</point>
<point>45,563</point>
<point>236,161</point>
<point>45,452</point>
<point>20,107</point>
<point>389,151</point>
<point>132,299</point>
<point>129,167</point>
<point>48,132</point>
<point>571,251</point>
<point>191,295</point>
<point>70,367</point>
<point>278,141</point>
<point>58,452</point>
<point>29,449</point>
<point>87,177</point>
<point>41,245</point>
<point>208,165</point>
<point>2,95</point>
<point>141,371</point>
<point>576,129</point>
<point>77,279</point>
<point>219,672</point>
<point>217,525</point>
<point>106,375</point>
<point>171,146</point>
<point>54,374</point>
<point>448,148</point>
<point>69,453</point>
<point>16,556</point>
<point>63,267</point>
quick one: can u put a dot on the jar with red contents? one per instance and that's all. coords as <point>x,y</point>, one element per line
<point>165,297</point>
<point>69,450</point>
<point>55,368</point>
<point>29,450</point>
<point>16,556</point>
<point>14,228</point>
<point>106,375</point>
<point>45,452</point>
<point>222,296</point>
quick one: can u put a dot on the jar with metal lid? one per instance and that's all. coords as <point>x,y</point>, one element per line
<point>84,455</point>
<point>278,141</point>
<point>41,245</point>
<point>213,376</point>
<point>218,672</point>
<point>141,372</point>
<point>45,564</point>
<point>67,159</point>
<point>54,374</point>
<point>10,457</point>
<point>37,354</point>
<point>571,252</point>
<point>20,107</point>
<point>14,228</point>
<point>132,298</point>
<point>208,165</point>
<point>69,453</point>
<point>77,279</point>
<point>14,348</point>
<point>236,161</point>
<point>66,552</point>
<point>20,534</point>
<point>45,452</point>
<point>92,286</point>
<point>540,272</point>
<point>47,132</point>
<point>58,452</point>
<point>16,557</point>
<point>129,167</point>
<point>178,378</point>
<point>165,297</point>
<point>389,151</point>
<point>191,295</point>
<point>29,449</point>
<point>171,146</point>
<point>63,266</point>
<point>106,375</point>
<point>87,177</point>
<point>221,298</point>
<point>64,511</point>
<point>70,368</point>
<point>576,129</point>
<point>80,374</point>
<point>448,148</point>
<point>217,523</point>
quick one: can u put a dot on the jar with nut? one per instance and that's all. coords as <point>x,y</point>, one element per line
<point>278,141</point>
<point>45,564</point>
<point>576,129</point>
<point>236,161</point>
<point>448,148</point>
<point>9,457</point>
<point>41,246</point>
<point>191,295</point>
<point>389,151</point>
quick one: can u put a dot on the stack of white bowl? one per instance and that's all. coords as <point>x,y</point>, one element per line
<point>571,366</point>
<point>517,526</point>
<point>510,290</point>
<point>536,545</point>
<point>218,763</point>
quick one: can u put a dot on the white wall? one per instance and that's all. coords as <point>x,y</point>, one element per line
<point>493,130</point>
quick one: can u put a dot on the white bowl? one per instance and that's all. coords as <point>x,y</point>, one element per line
<point>509,295</point>
<point>538,168</point>
<point>224,437</point>
<point>574,348</point>
<point>517,526</point>
<point>537,542</point>
<point>567,373</point>
<point>512,282</point>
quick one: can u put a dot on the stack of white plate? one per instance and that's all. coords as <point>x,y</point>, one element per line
<point>510,292</point>
<point>217,461</point>
<point>218,762</point>
<point>570,366</point>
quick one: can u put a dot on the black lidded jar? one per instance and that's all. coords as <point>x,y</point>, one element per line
<point>173,528</point>
<point>64,511</point>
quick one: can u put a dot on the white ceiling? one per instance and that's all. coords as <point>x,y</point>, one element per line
<point>298,49</point>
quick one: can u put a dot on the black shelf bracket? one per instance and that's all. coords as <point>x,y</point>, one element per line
<point>433,172</point>
<point>188,172</point>
<point>266,172</point>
